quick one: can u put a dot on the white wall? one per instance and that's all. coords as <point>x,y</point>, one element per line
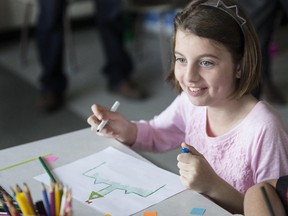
<point>12,11</point>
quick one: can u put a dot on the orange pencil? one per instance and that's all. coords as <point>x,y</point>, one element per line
<point>4,206</point>
<point>12,209</point>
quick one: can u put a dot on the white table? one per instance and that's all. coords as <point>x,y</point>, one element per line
<point>76,145</point>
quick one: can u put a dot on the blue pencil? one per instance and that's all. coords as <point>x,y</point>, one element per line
<point>45,199</point>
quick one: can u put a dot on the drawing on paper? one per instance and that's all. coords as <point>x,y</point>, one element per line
<point>108,185</point>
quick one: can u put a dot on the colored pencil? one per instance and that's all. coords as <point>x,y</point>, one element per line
<point>57,199</point>
<point>18,189</point>
<point>68,205</point>
<point>23,203</point>
<point>45,199</point>
<point>29,197</point>
<point>5,207</point>
<point>12,209</point>
<point>63,202</point>
<point>52,199</point>
<point>47,169</point>
<point>13,192</point>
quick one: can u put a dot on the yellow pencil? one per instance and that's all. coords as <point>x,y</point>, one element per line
<point>57,199</point>
<point>23,204</point>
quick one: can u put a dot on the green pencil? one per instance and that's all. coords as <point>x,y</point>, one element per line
<point>47,169</point>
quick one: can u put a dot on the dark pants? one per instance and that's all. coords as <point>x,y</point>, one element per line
<point>50,43</point>
<point>263,14</point>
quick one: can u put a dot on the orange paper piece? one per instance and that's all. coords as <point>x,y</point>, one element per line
<point>150,214</point>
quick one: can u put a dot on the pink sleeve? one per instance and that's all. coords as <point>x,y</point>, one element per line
<point>164,132</point>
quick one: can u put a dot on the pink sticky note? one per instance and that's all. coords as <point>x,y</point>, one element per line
<point>51,158</point>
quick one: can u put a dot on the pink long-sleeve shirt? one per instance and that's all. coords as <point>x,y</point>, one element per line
<point>253,151</point>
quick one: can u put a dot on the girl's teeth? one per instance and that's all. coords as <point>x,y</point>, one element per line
<point>195,89</point>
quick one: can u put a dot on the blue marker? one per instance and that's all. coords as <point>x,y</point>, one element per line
<point>185,150</point>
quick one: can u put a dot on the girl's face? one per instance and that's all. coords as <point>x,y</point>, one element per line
<point>205,71</point>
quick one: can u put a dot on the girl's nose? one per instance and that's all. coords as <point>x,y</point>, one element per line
<point>192,74</point>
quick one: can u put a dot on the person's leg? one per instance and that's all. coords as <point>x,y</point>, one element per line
<point>119,65</point>
<point>50,44</point>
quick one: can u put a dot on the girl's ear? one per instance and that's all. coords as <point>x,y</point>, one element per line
<point>238,71</point>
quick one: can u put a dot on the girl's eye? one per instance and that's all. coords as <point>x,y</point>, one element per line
<point>181,60</point>
<point>205,63</point>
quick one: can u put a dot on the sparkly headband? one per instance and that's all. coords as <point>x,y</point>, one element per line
<point>230,10</point>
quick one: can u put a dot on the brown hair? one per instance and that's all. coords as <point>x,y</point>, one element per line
<point>204,19</point>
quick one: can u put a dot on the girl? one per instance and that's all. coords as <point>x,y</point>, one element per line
<point>234,140</point>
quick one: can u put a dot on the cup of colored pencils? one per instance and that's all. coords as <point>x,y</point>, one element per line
<point>57,201</point>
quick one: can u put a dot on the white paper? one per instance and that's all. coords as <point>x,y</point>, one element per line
<point>116,183</point>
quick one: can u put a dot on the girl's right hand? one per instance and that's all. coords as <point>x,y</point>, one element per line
<point>117,126</point>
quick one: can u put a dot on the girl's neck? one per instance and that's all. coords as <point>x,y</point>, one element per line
<point>222,119</point>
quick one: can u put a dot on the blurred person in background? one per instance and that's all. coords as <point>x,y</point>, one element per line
<point>50,43</point>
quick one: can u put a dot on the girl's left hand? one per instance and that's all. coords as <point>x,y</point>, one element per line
<point>195,171</point>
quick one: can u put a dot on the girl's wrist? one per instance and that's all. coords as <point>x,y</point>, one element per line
<point>130,134</point>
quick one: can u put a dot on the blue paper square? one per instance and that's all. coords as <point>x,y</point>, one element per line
<point>198,211</point>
